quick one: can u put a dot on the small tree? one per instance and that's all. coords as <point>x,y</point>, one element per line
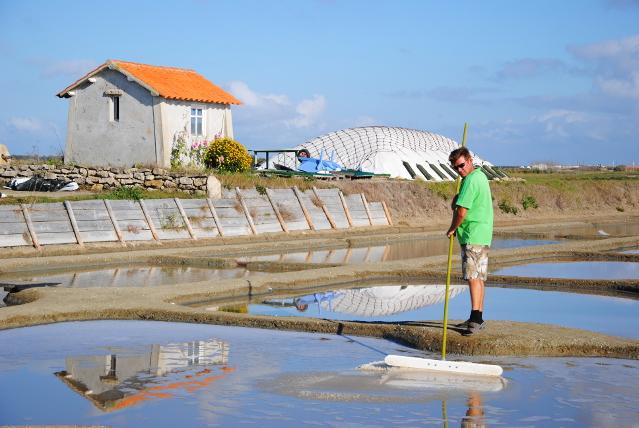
<point>228,155</point>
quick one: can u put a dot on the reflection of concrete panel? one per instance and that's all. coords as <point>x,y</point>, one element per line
<point>175,356</point>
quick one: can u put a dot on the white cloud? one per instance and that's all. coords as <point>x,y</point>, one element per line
<point>71,68</point>
<point>271,120</point>
<point>254,99</point>
<point>615,64</point>
<point>27,124</point>
<point>558,123</point>
<point>308,111</point>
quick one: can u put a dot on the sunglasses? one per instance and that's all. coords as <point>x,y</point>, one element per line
<point>460,165</point>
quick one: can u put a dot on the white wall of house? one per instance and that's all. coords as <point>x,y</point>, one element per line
<point>176,119</point>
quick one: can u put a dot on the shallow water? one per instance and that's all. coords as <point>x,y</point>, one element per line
<point>382,253</point>
<point>603,314</point>
<point>126,276</point>
<point>575,270</point>
<point>232,376</point>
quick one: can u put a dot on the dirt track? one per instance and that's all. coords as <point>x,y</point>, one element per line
<point>46,305</point>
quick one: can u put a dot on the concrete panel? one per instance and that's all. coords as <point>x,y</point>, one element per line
<point>88,225</point>
<point>377,213</point>
<point>13,228</point>
<point>11,214</point>
<point>357,210</point>
<point>15,240</point>
<point>98,236</point>
<point>50,238</point>
<point>314,207</point>
<point>290,209</point>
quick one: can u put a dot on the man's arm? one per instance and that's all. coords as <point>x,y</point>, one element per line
<point>458,218</point>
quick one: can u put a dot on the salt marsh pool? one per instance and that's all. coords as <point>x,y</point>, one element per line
<point>388,252</point>
<point>394,303</point>
<point>575,270</point>
<point>125,276</point>
<point>136,373</point>
<point>118,276</point>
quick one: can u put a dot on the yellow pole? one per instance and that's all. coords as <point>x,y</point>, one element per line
<point>450,262</point>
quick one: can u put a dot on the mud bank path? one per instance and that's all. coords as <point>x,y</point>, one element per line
<point>166,303</point>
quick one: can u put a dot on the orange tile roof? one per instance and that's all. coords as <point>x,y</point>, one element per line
<point>167,82</point>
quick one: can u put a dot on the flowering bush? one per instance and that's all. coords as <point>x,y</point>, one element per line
<point>198,149</point>
<point>187,152</point>
<point>178,151</point>
<point>227,155</point>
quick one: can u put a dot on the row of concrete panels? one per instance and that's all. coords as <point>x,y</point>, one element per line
<point>241,212</point>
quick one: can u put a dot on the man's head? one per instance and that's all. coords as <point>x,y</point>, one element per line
<point>461,161</point>
<point>303,153</point>
<point>300,306</point>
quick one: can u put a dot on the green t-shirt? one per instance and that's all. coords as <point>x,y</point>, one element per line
<point>474,195</point>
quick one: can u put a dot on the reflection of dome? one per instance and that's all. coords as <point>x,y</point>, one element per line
<point>385,150</point>
<point>388,300</point>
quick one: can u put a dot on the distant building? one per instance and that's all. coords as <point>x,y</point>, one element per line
<point>125,113</point>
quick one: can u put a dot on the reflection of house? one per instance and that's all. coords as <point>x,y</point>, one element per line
<point>125,113</point>
<point>127,377</point>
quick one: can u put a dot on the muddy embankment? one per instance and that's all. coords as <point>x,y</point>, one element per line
<point>419,203</point>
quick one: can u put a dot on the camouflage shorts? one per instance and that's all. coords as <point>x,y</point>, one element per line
<point>475,261</point>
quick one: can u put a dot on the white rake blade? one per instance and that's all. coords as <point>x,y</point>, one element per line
<point>463,367</point>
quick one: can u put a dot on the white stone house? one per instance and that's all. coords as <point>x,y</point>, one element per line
<point>124,113</point>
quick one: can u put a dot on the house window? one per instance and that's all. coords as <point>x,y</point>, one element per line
<point>114,108</point>
<point>196,121</point>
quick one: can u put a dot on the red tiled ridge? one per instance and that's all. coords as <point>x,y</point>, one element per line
<point>167,82</point>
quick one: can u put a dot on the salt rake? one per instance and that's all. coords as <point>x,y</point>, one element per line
<point>461,367</point>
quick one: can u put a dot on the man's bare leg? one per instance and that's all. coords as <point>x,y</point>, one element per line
<point>476,287</point>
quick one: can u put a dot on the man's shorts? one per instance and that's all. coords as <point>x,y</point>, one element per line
<point>475,261</point>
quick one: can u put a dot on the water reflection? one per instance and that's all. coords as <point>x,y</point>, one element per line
<point>369,302</point>
<point>395,303</point>
<point>575,270</point>
<point>126,377</point>
<point>294,379</point>
<point>382,253</point>
<point>474,417</point>
<point>122,276</point>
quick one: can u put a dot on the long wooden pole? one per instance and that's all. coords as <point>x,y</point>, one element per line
<point>450,262</point>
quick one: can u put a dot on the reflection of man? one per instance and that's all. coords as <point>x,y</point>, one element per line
<point>302,303</point>
<point>473,224</point>
<point>475,414</point>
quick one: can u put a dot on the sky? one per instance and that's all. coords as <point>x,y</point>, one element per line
<point>535,80</point>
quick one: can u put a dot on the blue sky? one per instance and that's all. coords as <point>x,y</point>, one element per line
<point>536,81</point>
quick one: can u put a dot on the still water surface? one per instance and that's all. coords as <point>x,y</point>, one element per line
<point>610,315</point>
<point>171,374</point>
<point>575,270</point>
<point>389,252</point>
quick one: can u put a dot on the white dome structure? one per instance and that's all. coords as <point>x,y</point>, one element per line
<point>400,152</point>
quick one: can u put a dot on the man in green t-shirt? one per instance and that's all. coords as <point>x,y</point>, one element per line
<point>473,224</point>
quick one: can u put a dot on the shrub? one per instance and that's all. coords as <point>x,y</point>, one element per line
<point>507,208</point>
<point>529,202</point>
<point>131,193</point>
<point>260,189</point>
<point>227,155</point>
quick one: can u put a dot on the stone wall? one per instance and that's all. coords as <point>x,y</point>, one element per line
<point>104,178</point>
